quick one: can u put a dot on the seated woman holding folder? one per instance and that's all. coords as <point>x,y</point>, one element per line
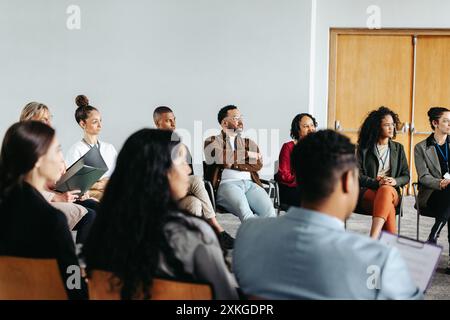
<point>383,169</point>
<point>90,120</point>
<point>140,233</point>
<point>432,160</point>
<point>30,227</point>
<point>79,211</point>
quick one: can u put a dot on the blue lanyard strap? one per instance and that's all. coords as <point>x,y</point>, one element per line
<point>385,158</point>
<point>444,156</point>
<point>442,153</point>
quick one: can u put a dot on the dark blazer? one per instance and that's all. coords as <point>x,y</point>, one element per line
<point>368,166</point>
<point>31,228</point>
<point>428,169</point>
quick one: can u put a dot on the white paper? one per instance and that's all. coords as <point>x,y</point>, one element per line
<point>447,176</point>
<point>421,258</point>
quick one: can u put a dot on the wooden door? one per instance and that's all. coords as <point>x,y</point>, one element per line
<point>432,84</point>
<point>373,71</point>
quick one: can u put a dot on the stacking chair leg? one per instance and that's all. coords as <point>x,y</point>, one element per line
<point>418,224</point>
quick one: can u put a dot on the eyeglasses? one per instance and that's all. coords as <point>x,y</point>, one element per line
<point>236,118</point>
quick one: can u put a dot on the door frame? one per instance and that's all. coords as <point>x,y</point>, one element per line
<point>332,72</point>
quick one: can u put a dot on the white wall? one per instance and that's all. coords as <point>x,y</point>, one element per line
<point>130,56</point>
<point>193,55</point>
<point>352,14</point>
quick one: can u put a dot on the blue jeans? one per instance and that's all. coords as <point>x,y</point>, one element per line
<point>245,199</point>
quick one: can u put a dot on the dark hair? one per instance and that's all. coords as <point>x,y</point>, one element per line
<point>319,160</point>
<point>84,109</point>
<point>435,113</point>
<point>24,143</point>
<point>223,113</point>
<point>159,111</point>
<point>128,230</point>
<point>369,133</point>
<point>295,125</point>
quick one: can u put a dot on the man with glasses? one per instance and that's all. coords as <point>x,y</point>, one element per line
<point>232,167</point>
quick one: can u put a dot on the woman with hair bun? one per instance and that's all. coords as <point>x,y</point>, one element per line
<point>90,120</point>
<point>432,160</point>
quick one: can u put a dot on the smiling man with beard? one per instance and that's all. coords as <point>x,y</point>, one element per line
<point>233,163</point>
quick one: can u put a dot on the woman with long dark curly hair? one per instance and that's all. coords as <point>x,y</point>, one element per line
<point>140,233</point>
<point>383,169</point>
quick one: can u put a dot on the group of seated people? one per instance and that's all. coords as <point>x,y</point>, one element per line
<point>383,168</point>
<point>149,217</point>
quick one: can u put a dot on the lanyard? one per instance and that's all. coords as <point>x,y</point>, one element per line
<point>385,158</point>
<point>442,153</point>
<point>96,145</point>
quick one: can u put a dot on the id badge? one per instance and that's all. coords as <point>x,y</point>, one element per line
<point>447,176</point>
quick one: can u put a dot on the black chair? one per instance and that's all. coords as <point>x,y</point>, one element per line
<point>426,212</point>
<point>398,211</point>
<point>277,199</point>
<point>268,185</point>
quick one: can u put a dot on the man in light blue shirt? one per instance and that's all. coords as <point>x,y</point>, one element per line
<point>306,254</point>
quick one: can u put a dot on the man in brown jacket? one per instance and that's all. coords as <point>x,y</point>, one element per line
<point>232,165</point>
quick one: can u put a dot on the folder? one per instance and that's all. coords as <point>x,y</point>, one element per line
<point>421,258</point>
<point>84,173</point>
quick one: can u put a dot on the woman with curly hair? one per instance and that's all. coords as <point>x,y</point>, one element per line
<point>140,233</point>
<point>383,169</point>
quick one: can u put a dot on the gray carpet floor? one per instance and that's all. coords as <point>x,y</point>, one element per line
<point>440,287</point>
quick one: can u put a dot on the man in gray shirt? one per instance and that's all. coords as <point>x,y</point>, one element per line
<point>307,254</point>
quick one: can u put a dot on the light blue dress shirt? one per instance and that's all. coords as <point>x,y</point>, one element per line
<point>309,255</point>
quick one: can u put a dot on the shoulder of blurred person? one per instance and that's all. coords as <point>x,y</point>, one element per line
<point>196,245</point>
<point>310,243</point>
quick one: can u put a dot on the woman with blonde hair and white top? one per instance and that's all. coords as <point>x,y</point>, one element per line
<point>90,120</point>
<point>79,211</point>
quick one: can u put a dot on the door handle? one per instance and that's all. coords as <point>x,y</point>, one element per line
<point>413,131</point>
<point>405,128</point>
<point>337,127</point>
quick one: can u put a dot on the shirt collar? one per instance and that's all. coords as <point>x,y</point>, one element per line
<point>431,141</point>
<point>315,217</point>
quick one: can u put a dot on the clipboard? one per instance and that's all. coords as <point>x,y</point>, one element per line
<point>84,173</point>
<point>421,257</point>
